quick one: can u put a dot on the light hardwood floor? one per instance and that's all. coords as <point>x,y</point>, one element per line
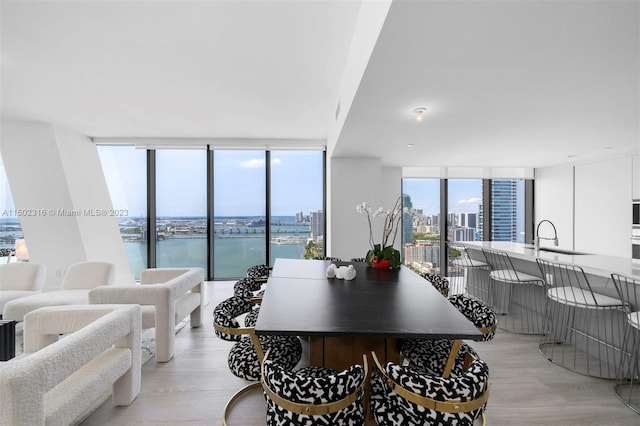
<point>193,388</point>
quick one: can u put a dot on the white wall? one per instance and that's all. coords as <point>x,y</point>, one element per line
<point>353,181</point>
<point>554,202</point>
<point>589,203</point>
<point>603,207</point>
<point>51,170</point>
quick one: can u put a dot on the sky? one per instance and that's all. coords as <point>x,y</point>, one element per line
<point>239,181</point>
<point>465,195</point>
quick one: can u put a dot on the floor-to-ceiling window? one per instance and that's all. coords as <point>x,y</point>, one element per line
<point>296,203</point>
<point>10,229</point>
<point>469,213</point>
<point>507,207</point>
<point>421,231</point>
<point>464,223</point>
<point>223,210</point>
<point>125,171</point>
<point>181,208</point>
<point>239,211</point>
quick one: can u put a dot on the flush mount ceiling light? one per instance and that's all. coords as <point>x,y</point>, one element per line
<point>419,112</point>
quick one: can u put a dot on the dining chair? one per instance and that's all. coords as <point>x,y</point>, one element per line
<point>436,355</point>
<point>333,259</point>
<point>246,355</point>
<point>517,296</point>
<point>306,398</point>
<point>628,372</point>
<point>249,289</point>
<point>575,335</point>
<point>438,281</point>
<point>403,395</point>
<point>259,273</point>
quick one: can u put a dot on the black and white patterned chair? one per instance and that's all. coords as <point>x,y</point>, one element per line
<point>438,281</point>
<point>433,355</point>
<point>313,397</point>
<point>259,273</point>
<point>246,355</point>
<point>333,259</point>
<point>358,259</point>
<point>405,396</point>
<point>248,288</point>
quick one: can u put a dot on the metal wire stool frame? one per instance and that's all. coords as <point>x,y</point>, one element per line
<point>518,296</point>
<point>576,335</point>
<point>628,373</point>
<point>476,280</point>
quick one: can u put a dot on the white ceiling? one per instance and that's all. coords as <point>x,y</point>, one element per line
<point>506,83</point>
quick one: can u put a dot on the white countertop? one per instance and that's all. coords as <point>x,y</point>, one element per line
<point>595,264</point>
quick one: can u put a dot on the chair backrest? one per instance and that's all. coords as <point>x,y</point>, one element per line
<point>333,259</point>
<point>25,276</point>
<point>628,290</point>
<point>294,398</point>
<point>399,392</point>
<point>438,281</point>
<point>458,252</point>
<point>570,283</point>
<point>89,274</point>
<point>500,261</point>
<point>259,273</point>
<point>481,315</point>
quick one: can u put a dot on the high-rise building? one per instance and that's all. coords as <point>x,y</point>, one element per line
<point>407,220</point>
<point>422,252</point>
<point>504,212</point>
<point>468,220</point>
<point>317,225</point>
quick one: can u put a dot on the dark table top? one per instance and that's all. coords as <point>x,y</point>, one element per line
<point>300,300</point>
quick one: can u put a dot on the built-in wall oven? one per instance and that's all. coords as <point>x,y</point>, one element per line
<point>635,231</point>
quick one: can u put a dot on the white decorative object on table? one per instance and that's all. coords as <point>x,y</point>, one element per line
<point>332,270</point>
<point>350,273</point>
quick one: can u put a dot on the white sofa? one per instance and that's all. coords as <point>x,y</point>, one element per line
<point>167,296</point>
<point>20,279</point>
<point>61,381</point>
<point>76,283</point>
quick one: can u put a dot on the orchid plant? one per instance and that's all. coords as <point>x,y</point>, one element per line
<point>392,219</point>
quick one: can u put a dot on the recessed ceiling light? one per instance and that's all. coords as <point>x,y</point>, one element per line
<point>419,112</point>
<point>608,147</point>
<point>410,145</point>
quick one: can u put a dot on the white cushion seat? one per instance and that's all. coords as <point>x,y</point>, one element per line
<point>468,263</point>
<point>78,280</point>
<point>513,277</point>
<point>576,296</point>
<point>19,308</point>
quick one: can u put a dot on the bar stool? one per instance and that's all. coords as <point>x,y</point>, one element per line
<point>582,328</point>
<point>476,273</point>
<point>629,367</point>
<point>516,295</point>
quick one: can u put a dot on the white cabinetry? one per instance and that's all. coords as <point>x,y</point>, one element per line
<point>636,177</point>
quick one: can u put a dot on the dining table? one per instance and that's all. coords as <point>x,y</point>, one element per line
<point>344,319</point>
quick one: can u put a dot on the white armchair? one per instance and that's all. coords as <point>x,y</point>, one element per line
<point>167,296</point>
<point>62,381</point>
<point>76,283</point>
<point>20,279</point>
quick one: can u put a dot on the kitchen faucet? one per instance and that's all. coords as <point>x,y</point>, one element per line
<point>538,237</point>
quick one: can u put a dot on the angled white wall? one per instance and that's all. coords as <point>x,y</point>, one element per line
<point>56,174</point>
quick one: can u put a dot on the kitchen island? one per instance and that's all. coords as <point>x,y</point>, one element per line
<point>573,336</point>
